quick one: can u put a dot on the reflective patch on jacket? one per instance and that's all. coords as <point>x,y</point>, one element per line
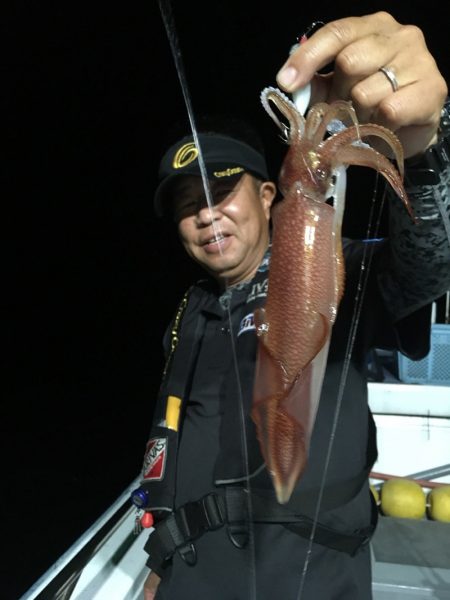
<point>155,459</point>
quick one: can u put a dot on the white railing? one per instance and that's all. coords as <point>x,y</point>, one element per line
<point>107,561</point>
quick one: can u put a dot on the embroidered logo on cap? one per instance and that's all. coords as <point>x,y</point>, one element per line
<point>228,172</point>
<point>185,155</point>
<point>155,459</point>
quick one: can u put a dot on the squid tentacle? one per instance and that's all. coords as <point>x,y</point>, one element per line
<point>314,118</point>
<point>287,108</point>
<point>356,134</point>
<point>368,157</point>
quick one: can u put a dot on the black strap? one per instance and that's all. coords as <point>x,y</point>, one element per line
<point>265,509</point>
<point>180,528</point>
<point>177,532</point>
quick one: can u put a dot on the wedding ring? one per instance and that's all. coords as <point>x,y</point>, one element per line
<point>389,73</point>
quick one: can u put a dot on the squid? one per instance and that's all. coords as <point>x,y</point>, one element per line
<point>307,275</point>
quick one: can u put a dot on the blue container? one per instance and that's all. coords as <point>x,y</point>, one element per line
<point>434,369</point>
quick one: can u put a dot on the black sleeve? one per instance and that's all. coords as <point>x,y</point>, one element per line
<point>417,270</point>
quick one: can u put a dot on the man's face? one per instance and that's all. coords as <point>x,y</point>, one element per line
<point>229,239</point>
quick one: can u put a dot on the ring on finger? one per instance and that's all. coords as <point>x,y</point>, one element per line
<point>390,75</point>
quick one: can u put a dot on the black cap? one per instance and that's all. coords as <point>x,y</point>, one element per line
<point>222,155</point>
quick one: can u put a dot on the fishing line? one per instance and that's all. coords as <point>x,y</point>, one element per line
<point>366,261</point>
<point>249,523</point>
<point>169,24</point>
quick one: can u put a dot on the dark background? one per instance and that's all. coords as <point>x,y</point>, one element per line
<point>90,277</point>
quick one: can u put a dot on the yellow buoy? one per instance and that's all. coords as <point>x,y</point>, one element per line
<point>439,504</point>
<point>401,497</point>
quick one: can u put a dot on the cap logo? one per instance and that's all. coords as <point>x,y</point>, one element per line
<point>184,155</point>
<point>228,172</point>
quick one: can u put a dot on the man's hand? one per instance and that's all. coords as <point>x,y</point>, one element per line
<point>359,47</point>
<point>151,586</point>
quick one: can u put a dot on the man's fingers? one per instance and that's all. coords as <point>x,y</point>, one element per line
<point>151,586</point>
<point>324,46</point>
<point>383,67</point>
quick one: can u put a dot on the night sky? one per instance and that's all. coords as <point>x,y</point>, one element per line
<point>90,276</point>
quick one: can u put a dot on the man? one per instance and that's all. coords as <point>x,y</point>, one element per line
<point>219,532</point>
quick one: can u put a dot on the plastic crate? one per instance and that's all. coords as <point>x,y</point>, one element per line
<point>434,369</point>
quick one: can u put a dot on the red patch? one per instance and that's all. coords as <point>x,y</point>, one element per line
<point>155,459</point>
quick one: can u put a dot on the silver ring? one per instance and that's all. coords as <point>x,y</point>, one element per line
<point>389,73</point>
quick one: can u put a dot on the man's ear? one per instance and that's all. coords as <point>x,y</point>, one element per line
<point>267,191</point>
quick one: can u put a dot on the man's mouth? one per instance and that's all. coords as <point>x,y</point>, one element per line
<point>216,243</point>
<point>216,239</point>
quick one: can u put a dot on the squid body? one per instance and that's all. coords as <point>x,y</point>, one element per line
<point>306,277</point>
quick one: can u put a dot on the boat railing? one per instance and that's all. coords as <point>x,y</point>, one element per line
<point>107,561</point>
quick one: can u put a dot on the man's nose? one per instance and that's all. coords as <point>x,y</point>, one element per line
<point>205,213</point>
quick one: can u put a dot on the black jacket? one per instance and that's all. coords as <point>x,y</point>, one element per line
<point>354,445</point>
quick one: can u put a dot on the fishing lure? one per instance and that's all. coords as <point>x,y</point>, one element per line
<point>306,278</point>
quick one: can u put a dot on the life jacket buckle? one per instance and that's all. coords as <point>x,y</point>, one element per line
<point>238,534</point>
<point>188,553</point>
<point>214,512</point>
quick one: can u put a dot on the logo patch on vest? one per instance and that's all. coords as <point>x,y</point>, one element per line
<point>259,290</point>
<point>247,324</point>
<point>155,459</point>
